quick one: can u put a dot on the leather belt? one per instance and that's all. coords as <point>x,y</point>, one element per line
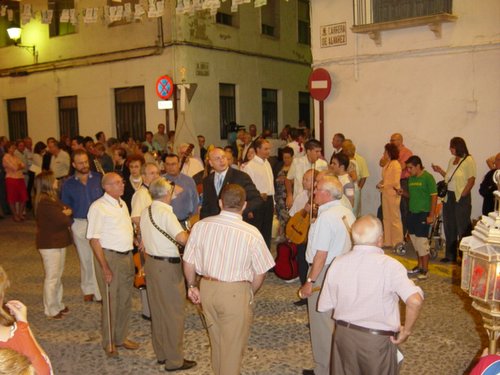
<point>119,252</point>
<point>174,260</point>
<point>208,278</point>
<point>367,330</point>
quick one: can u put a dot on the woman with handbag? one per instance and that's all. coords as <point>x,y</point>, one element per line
<point>53,220</point>
<point>459,177</point>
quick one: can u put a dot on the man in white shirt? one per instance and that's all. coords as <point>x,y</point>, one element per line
<point>111,238</point>
<point>328,237</point>
<point>166,290</point>
<point>300,165</point>
<point>337,140</point>
<point>190,165</point>
<point>261,174</point>
<point>59,161</point>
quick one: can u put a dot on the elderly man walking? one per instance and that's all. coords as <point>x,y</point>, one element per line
<point>363,287</point>
<point>162,234</point>
<point>328,238</point>
<point>232,258</point>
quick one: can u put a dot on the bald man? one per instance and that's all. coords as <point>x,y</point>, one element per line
<point>111,238</point>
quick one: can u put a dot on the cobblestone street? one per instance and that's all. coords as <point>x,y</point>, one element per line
<point>447,337</point>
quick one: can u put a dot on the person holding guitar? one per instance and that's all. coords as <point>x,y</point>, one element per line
<point>298,226</point>
<point>190,165</point>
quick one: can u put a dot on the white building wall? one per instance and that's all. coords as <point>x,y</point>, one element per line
<point>429,89</point>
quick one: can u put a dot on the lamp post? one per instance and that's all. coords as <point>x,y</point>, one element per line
<point>14,32</point>
<point>481,269</point>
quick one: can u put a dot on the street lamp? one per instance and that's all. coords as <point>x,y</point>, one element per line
<point>481,269</point>
<point>14,32</point>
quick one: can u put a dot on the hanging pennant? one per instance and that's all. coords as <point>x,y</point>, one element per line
<point>47,16</point>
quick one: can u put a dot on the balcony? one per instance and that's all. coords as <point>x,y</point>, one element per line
<point>374,16</point>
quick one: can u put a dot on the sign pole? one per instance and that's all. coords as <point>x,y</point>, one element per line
<point>322,124</point>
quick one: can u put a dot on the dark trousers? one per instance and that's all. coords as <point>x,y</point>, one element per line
<point>404,206</point>
<point>302,263</point>
<point>456,222</point>
<point>265,222</point>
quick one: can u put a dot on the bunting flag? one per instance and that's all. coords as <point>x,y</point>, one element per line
<point>47,16</point>
<point>155,9</point>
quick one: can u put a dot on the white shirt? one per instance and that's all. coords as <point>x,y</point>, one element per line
<point>299,202</point>
<point>155,242</point>
<point>140,200</point>
<point>329,233</point>
<point>294,145</point>
<point>192,166</point>
<point>60,164</point>
<point>109,222</point>
<point>261,173</point>
<point>300,166</point>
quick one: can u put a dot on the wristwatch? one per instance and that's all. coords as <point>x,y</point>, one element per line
<point>309,280</point>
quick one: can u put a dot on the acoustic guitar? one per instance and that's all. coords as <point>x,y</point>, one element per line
<point>297,227</point>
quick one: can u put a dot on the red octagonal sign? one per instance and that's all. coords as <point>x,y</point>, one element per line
<point>320,84</point>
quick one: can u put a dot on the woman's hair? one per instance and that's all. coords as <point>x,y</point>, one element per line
<point>15,363</point>
<point>246,160</point>
<point>5,318</point>
<point>460,147</point>
<point>348,148</point>
<point>39,147</point>
<point>44,186</point>
<point>392,151</point>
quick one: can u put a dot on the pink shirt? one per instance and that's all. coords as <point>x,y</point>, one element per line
<point>228,249</point>
<point>364,287</point>
<point>13,166</point>
<point>404,154</point>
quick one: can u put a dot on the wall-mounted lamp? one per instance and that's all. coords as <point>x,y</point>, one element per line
<point>14,32</point>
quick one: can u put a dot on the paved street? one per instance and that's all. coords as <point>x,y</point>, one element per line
<point>447,337</point>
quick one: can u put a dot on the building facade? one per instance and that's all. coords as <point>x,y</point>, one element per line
<point>428,69</point>
<point>247,66</point>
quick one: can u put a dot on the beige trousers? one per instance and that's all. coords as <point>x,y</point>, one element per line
<point>167,297</point>
<point>393,228</point>
<point>120,289</point>
<point>228,309</point>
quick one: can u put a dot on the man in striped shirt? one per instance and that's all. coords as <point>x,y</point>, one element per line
<point>232,259</point>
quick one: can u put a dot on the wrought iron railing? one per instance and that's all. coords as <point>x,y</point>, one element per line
<point>376,11</point>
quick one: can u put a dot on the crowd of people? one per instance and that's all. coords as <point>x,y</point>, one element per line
<point>201,223</point>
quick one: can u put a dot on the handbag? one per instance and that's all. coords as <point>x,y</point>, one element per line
<point>179,245</point>
<point>442,186</point>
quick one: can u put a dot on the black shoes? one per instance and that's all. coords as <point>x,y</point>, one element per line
<point>185,366</point>
<point>307,372</point>
<point>301,302</point>
<point>448,260</point>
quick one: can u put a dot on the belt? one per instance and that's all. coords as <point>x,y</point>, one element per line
<point>208,278</point>
<point>367,330</point>
<point>174,260</point>
<point>119,252</point>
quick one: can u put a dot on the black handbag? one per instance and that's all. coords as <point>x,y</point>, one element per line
<point>442,186</point>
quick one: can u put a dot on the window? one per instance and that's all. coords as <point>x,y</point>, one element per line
<point>270,18</point>
<point>270,110</point>
<point>304,23</point>
<point>305,107</point>
<point>18,118</point>
<point>224,15</point>
<point>227,107</point>
<point>5,23</point>
<point>68,116</point>
<point>375,11</point>
<point>130,112</point>
<point>56,27</point>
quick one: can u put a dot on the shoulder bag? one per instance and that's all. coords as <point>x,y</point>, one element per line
<point>179,245</point>
<point>442,186</point>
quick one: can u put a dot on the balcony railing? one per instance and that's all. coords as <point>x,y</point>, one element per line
<point>376,11</point>
<point>373,16</point>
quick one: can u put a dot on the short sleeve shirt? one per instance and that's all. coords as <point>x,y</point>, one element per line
<point>421,189</point>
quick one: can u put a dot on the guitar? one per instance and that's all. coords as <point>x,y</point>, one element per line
<point>297,227</point>
<point>140,276</point>
<point>187,153</point>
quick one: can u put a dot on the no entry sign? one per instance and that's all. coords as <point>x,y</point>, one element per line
<point>164,87</point>
<point>320,84</point>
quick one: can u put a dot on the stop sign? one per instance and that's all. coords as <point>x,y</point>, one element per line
<point>320,84</point>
